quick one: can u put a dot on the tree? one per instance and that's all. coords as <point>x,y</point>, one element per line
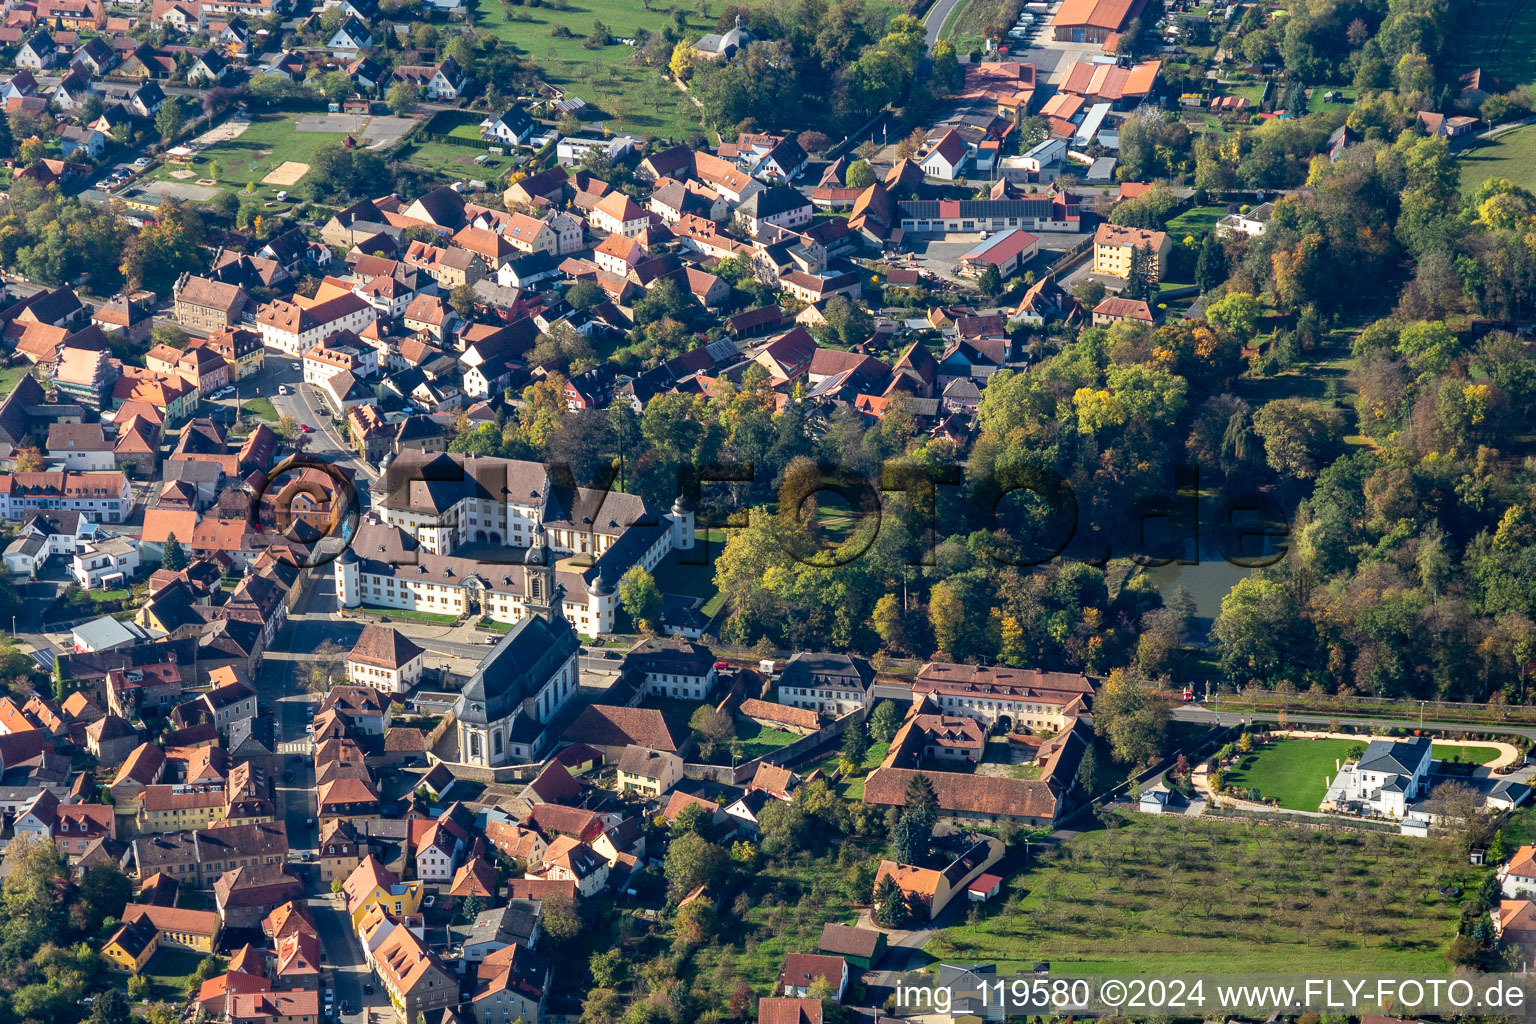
<point>884,721</point>
<point>462,300</point>
<point>1211,265</point>
<point>859,174</point>
<point>32,150</point>
<point>561,920</point>
<point>1131,717</point>
<point>610,968</point>
<point>30,460</point>
<point>891,910</point>
<point>693,861</point>
<point>175,558</point>
<point>909,842</point>
<point>712,728</point>
<point>402,98</point>
<point>170,119</point>
<point>1461,813</point>
<point>1237,313</point>
<point>111,1007</point>
<point>641,599</point>
<point>327,667</point>
<point>855,744</point>
<point>990,282</point>
<point>1300,438</point>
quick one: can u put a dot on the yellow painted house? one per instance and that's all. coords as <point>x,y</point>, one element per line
<point>371,884</point>
<point>165,810</point>
<point>177,927</point>
<point>131,946</point>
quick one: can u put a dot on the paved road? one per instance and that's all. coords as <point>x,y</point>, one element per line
<point>934,20</point>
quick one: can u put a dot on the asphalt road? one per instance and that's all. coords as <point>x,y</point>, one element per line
<point>280,685</point>
<point>934,20</point>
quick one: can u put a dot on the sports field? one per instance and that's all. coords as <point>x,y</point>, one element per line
<point>267,144</point>
<point>1511,155</point>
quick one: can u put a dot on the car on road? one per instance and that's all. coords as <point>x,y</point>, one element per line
<point>142,161</point>
<point>224,392</point>
<point>431,900</point>
<point>492,641</point>
<point>298,366</point>
<point>346,1008</point>
<point>309,822</point>
<point>305,427</point>
<point>282,389</point>
<point>368,990</point>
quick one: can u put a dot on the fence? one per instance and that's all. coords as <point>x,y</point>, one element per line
<point>453,140</point>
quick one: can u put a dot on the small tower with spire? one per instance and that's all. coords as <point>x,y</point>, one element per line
<point>681,518</point>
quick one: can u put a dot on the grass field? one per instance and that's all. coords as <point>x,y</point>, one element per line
<point>269,140</point>
<point>1175,894</point>
<point>852,787</point>
<point>1512,156</point>
<point>631,97</point>
<point>261,408</point>
<point>1195,221</point>
<point>1466,755</point>
<point>405,615</point>
<point>964,25</point>
<point>1291,772</point>
<point>627,96</point>
<point>1499,36</point>
<point>169,971</point>
<point>456,162</point>
<point>11,376</point>
<point>678,573</point>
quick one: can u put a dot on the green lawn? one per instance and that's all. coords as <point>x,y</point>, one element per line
<point>852,787</point>
<point>169,971</point>
<point>10,377</point>
<point>268,141</point>
<point>1512,156</point>
<point>1291,771</point>
<point>456,162</point>
<point>626,96</point>
<point>261,408</point>
<point>1466,755</point>
<point>1172,894</point>
<point>1195,221</point>
<point>1499,36</point>
<point>693,572</point>
<point>965,23</point>
<point>107,596</point>
<point>405,615</point>
<point>755,740</point>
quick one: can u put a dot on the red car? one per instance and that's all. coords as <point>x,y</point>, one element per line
<point>304,427</point>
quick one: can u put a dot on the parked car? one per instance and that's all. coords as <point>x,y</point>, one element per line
<point>282,389</point>
<point>142,161</point>
<point>298,366</point>
<point>305,427</point>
